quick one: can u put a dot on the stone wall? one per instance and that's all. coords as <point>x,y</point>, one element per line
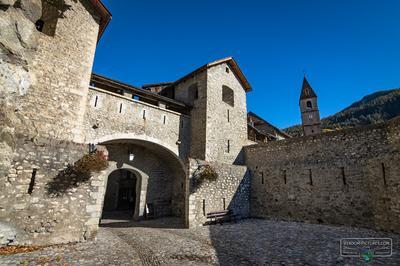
<point>220,129</point>
<point>347,177</point>
<point>43,88</point>
<point>113,116</point>
<point>18,43</point>
<point>211,112</point>
<point>185,92</point>
<point>28,203</point>
<point>230,191</point>
<point>62,66</point>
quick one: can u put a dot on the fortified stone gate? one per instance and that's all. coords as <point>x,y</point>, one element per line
<point>158,138</point>
<point>141,172</point>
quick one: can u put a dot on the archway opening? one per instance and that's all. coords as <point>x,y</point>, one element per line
<point>145,183</point>
<point>121,195</point>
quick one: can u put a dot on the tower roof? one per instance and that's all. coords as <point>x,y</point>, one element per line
<point>104,13</point>
<point>306,91</point>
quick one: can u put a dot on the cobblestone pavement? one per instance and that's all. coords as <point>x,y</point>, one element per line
<point>249,242</point>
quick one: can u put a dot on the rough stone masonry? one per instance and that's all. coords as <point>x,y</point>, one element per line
<point>52,113</point>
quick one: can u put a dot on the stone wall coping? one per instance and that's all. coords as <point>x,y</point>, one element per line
<point>136,101</point>
<point>385,125</point>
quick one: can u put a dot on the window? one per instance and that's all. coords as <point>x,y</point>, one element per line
<point>48,22</point>
<point>135,97</point>
<point>32,183</point>
<point>95,101</point>
<point>39,25</point>
<point>228,146</point>
<point>120,108</point>
<point>228,95</point>
<point>227,69</point>
<point>309,104</point>
<point>193,92</point>
<point>164,119</point>
<point>383,173</point>
<point>228,116</point>
<point>284,176</point>
<point>343,176</point>
<point>144,114</point>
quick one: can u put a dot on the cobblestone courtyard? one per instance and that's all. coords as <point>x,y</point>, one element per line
<point>249,242</point>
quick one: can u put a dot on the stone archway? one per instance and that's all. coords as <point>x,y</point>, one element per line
<point>122,195</point>
<point>161,178</point>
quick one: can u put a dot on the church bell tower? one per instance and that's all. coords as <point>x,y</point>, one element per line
<point>309,110</point>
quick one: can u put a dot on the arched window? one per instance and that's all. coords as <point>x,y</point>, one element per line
<point>309,104</point>
<point>228,95</point>
<point>193,92</point>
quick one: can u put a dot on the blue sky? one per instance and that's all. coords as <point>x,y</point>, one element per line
<point>347,48</point>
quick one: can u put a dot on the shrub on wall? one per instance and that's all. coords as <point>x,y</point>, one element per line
<point>93,162</point>
<point>204,173</point>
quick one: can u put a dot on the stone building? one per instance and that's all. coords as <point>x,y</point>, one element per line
<point>157,138</point>
<point>259,130</point>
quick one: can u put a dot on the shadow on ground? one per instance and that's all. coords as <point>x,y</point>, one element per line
<point>123,220</point>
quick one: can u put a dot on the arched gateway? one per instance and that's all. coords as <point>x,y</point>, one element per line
<point>139,173</point>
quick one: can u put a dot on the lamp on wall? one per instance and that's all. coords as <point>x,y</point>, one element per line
<point>131,156</point>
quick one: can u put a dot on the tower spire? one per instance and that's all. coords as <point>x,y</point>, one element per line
<point>306,90</point>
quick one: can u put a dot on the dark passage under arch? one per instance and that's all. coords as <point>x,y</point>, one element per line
<point>121,195</point>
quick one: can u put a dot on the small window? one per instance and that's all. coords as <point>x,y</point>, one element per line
<point>228,95</point>
<point>309,104</point>
<point>228,116</point>
<point>32,183</point>
<point>228,146</point>
<point>135,97</point>
<point>120,108</point>
<point>95,101</point>
<point>343,176</point>
<point>164,119</point>
<point>284,176</point>
<point>193,92</point>
<point>144,114</point>
<point>227,69</point>
<point>39,25</point>
<point>384,173</point>
<point>48,22</point>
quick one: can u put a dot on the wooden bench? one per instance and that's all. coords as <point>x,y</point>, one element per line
<point>221,217</point>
